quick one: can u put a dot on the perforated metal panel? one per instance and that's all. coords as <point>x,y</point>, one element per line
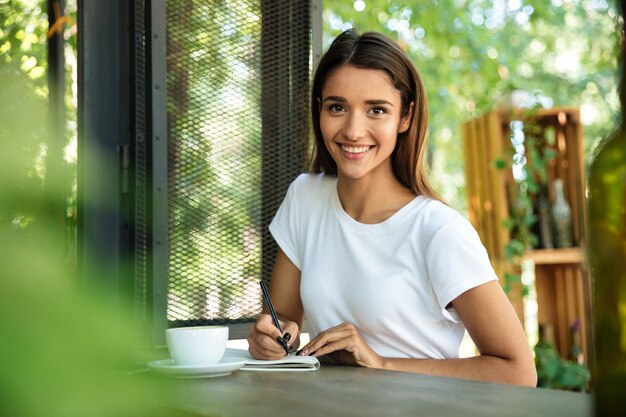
<point>141,163</point>
<point>237,76</point>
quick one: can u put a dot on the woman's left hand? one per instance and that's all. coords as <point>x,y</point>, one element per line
<point>345,344</point>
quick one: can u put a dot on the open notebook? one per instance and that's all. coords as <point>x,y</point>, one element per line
<point>288,363</point>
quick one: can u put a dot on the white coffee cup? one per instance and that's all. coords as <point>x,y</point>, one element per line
<point>196,346</point>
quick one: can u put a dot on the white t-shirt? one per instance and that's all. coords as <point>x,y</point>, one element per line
<point>392,280</point>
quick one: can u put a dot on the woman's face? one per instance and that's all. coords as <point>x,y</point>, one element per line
<point>360,118</point>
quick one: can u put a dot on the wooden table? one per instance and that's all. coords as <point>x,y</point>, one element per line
<point>350,391</point>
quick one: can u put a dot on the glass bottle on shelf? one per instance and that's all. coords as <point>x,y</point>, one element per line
<point>607,256</point>
<point>545,220</point>
<point>561,217</point>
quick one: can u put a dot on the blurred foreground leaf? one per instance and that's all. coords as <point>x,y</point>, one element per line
<point>61,353</point>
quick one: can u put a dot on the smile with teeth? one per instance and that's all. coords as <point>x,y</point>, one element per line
<point>355,149</point>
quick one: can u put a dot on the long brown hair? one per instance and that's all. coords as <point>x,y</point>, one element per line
<point>373,50</point>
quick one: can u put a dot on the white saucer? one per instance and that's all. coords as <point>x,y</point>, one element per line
<point>225,366</point>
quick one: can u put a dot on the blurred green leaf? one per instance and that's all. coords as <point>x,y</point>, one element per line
<point>514,249</point>
<point>70,351</point>
<point>513,278</point>
<point>509,223</point>
<point>550,135</point>
<point>500,163</point>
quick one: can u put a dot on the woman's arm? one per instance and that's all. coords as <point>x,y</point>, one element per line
<point>491,322</point>
<point>285,295</point>
<point>498,335</point>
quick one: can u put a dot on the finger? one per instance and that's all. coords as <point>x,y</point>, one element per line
<point>265,355</point>
<point>341,328</point>
<point>333,347</point>
<point>264,342</point>
<point>253,348</point>
<point>251,344</point>
<point>264,324</point>
<point>293,330</point>
<point>264,328</point>
<point>337,339</point>
<point>325,338</point>
<point>330,336</point>
<point>265,345</point>
<point>310,347</point>
<point>270,345</point>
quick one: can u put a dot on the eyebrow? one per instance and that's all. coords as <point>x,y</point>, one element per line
<point>343,100</point>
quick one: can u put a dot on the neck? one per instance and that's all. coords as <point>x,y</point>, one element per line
<point>372,199</point>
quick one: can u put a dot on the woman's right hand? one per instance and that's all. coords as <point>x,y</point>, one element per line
<point>262,343</point>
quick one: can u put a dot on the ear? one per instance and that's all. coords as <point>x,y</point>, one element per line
<point>405,122</point>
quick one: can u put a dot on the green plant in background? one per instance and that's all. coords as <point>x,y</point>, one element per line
<point>532,148</point>
<point>214,122</point>
<point>23,53</point>
<point>555,372</point>
<point>23,27</point>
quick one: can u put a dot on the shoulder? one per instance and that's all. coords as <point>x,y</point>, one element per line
<point>310,180</point>
<point>437,216</point>
<point>437,222</point>
<point>446,229</point>
<point>309,187</point>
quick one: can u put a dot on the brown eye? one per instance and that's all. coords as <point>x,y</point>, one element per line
<point>335,108</point>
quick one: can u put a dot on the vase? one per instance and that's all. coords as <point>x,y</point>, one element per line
<point>545,221</point>
<point>561,217</point>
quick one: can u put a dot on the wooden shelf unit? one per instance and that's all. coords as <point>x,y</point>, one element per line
<point>562,279</point>
<point>556,256</point>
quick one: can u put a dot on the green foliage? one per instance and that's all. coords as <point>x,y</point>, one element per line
<point>20,145</point>
<point>471,53</point>
<point>23,61</point>
<point>216,251</point>
<point>62,353</point>
<point>531,149</point>
<point>555,372</point>
<point>23,57</point>
<point>23,28</point>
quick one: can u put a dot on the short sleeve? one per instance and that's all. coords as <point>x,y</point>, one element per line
<point>284,226</point>
<point>456,261</point>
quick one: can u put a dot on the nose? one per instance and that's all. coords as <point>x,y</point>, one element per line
<point>354,128</point>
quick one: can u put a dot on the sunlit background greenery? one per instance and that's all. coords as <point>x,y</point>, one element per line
<point>471,53</point>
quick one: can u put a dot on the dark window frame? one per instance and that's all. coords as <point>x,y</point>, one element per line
<point>122,163</point>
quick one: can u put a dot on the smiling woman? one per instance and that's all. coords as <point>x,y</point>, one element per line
<point>393,69</point>
<point>386,274</point>
<point>360,127</point>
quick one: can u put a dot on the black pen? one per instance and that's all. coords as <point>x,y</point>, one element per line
<point>270,306</point>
